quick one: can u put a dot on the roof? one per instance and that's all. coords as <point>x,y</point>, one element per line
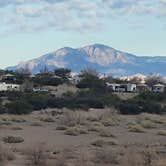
<point>159,85</point>
<point>9,75</point>
<point>113,84</point>
<point>143,85</point>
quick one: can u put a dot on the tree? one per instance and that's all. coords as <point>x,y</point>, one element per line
<point>154,79</point>
<point>27,86</point>
<point>135,80</point>
<point>44,70</point>
<point>89,72</point>
<point>90,79</point>
<point>63,73</point>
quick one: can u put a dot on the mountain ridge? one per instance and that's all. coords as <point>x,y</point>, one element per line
<point>103,58</point>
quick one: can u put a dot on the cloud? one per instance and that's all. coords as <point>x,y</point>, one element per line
<point>73,15</point>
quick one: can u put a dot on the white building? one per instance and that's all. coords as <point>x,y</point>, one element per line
<point>9,87</point>
<point>159,88</point>
<point>131,87</point>
<point>3,87</point>
<point>117,87</point>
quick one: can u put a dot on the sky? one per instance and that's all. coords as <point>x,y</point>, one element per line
<point>31,28</point>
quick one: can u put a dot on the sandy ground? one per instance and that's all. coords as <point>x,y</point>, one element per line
<point>35,130</point>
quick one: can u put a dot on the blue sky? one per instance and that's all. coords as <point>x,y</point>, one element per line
<point>30,28</point>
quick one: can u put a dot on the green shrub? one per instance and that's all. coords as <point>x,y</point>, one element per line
<point>19,107</point>
<point>140,106</point>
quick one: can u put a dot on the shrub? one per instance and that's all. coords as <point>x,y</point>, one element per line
<point>136,128</point>
<point>19,107</point>
<point>38,101</point>
<point>106,157</point>
<point>75,131</point>
<point>127,107</point>
<point>140,106</point>
<point>105,133</point>
<point>36,155</point>
<point>5,155</point>
<point>98,143</point>
<point>72,118</point>
<point>148,156</point>
<point>162,132</point>
<point>61,127</point>
<point>13,139</point>
<point>101,143</point>
<point>18,120</point>
<point>147,124</point>
<point>149,96</point>
<point>47,119</point>
<point>16,128</point>
<point>154,118</point>
<point>110,117</point>
<point>94,128</point>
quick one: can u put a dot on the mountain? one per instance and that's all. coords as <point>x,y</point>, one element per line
<point>141,77</point>
<point>103,58</point>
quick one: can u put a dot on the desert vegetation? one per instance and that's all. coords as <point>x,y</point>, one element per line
<point>91,126</point>
<point>86,137</point>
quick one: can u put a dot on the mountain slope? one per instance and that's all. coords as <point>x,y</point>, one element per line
<point>103,58</point>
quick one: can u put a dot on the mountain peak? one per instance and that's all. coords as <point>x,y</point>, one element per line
<point>103,58</point>
<point>63,51</point>
<point>98,46</point>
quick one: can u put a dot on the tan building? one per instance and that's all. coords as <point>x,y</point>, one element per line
<point>143,88</point>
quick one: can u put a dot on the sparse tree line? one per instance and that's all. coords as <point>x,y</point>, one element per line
<point>93,93</point>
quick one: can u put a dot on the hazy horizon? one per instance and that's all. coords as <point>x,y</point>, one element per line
<point>31,28</point>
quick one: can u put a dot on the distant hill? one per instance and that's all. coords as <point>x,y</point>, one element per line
<point>101,57</point>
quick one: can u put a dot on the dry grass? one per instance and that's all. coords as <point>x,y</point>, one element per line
<point>47,119</point>
<point>102,143</point>
<point>106,156</point>
<point>5,155</point>
<point>36,155</point>
<point>131,158</point>
<point>18,120</point>
<point>17,128</point>
<point>148,124</point>
<point>148,156</point>
<point>95,126</point>
<point>153,118</point>
<point>106,133</point>
<point>136,128</point>
<point>72,118</point>
<point>83,158</point>
<point>61,161</point>
<point>108,117</point>
<point>161,132</point>
<point>75,131</point>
